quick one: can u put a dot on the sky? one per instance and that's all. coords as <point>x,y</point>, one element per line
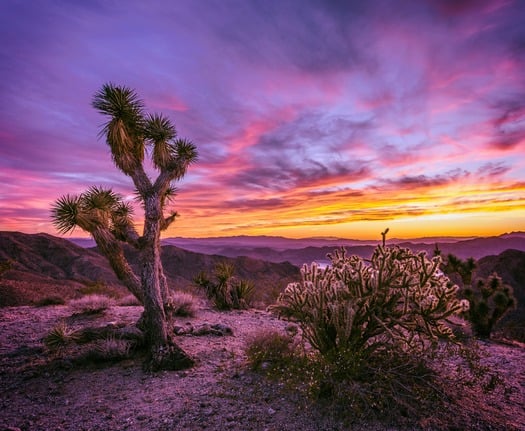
<point>312,118</point>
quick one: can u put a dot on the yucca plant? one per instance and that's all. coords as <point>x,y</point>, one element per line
<point>92,304</point>
<point>60,336</point>
<point>224,289</point>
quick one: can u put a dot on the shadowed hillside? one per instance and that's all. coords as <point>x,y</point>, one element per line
<point>44,265</point>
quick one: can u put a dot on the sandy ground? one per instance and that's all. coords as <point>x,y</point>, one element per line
<point>38,392</point>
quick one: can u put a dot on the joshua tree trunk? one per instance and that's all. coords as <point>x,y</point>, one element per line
<point>164,353</point>
<point>155,318</point>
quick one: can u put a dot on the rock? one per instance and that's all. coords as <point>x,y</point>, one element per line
<point>218,329</point>
<point>204,329</point>
<point>222,329</point>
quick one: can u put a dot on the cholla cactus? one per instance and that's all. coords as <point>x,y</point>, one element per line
<point>397,300</point>
<point>489,300</point>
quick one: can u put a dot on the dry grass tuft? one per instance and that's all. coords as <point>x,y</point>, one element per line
<point>182,304</point>
<point>92,304</point>
<point>129,301</point>
<point>110,349</point>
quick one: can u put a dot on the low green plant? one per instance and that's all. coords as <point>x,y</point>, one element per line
<point>181,304</point>
<point>376,334</point>
<point>91,304</point>
<point>269,350</point>
<point>60,336</point>
<point>224,289</point>
<point>489,300</point>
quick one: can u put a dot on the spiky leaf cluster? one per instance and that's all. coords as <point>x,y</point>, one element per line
<point>97,208</point>
<point>224,289</point>
<point>397,300</point>
<point>129,131</point>
<point>124,130</point>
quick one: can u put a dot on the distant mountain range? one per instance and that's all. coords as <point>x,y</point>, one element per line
<point>307,250</point>
<point>299,251</point>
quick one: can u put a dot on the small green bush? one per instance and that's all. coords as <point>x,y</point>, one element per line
<point>376,334</point>
<point>181,304</point>
<point>270,350</point>
<point>91,304</point>
<point>225,290</point>
<point>5,266</point>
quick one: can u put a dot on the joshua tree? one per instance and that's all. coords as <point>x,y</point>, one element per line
<point>131,135</point>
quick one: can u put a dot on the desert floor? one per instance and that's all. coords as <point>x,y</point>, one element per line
<point>41,392</point>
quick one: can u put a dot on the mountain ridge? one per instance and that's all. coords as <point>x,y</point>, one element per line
<point>44,265</point>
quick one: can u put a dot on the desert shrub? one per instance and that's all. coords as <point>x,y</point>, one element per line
<point>50,300</point>
<point>129,301</point>
<point>181,304</point>
<point>387,386</point>
<point>376,334</point>
<point>399,301</point>
<point>60,336</point>
<point>91,304</point>
<point>224,289</point>
<point>270,350</point>
<point>489,300</point>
